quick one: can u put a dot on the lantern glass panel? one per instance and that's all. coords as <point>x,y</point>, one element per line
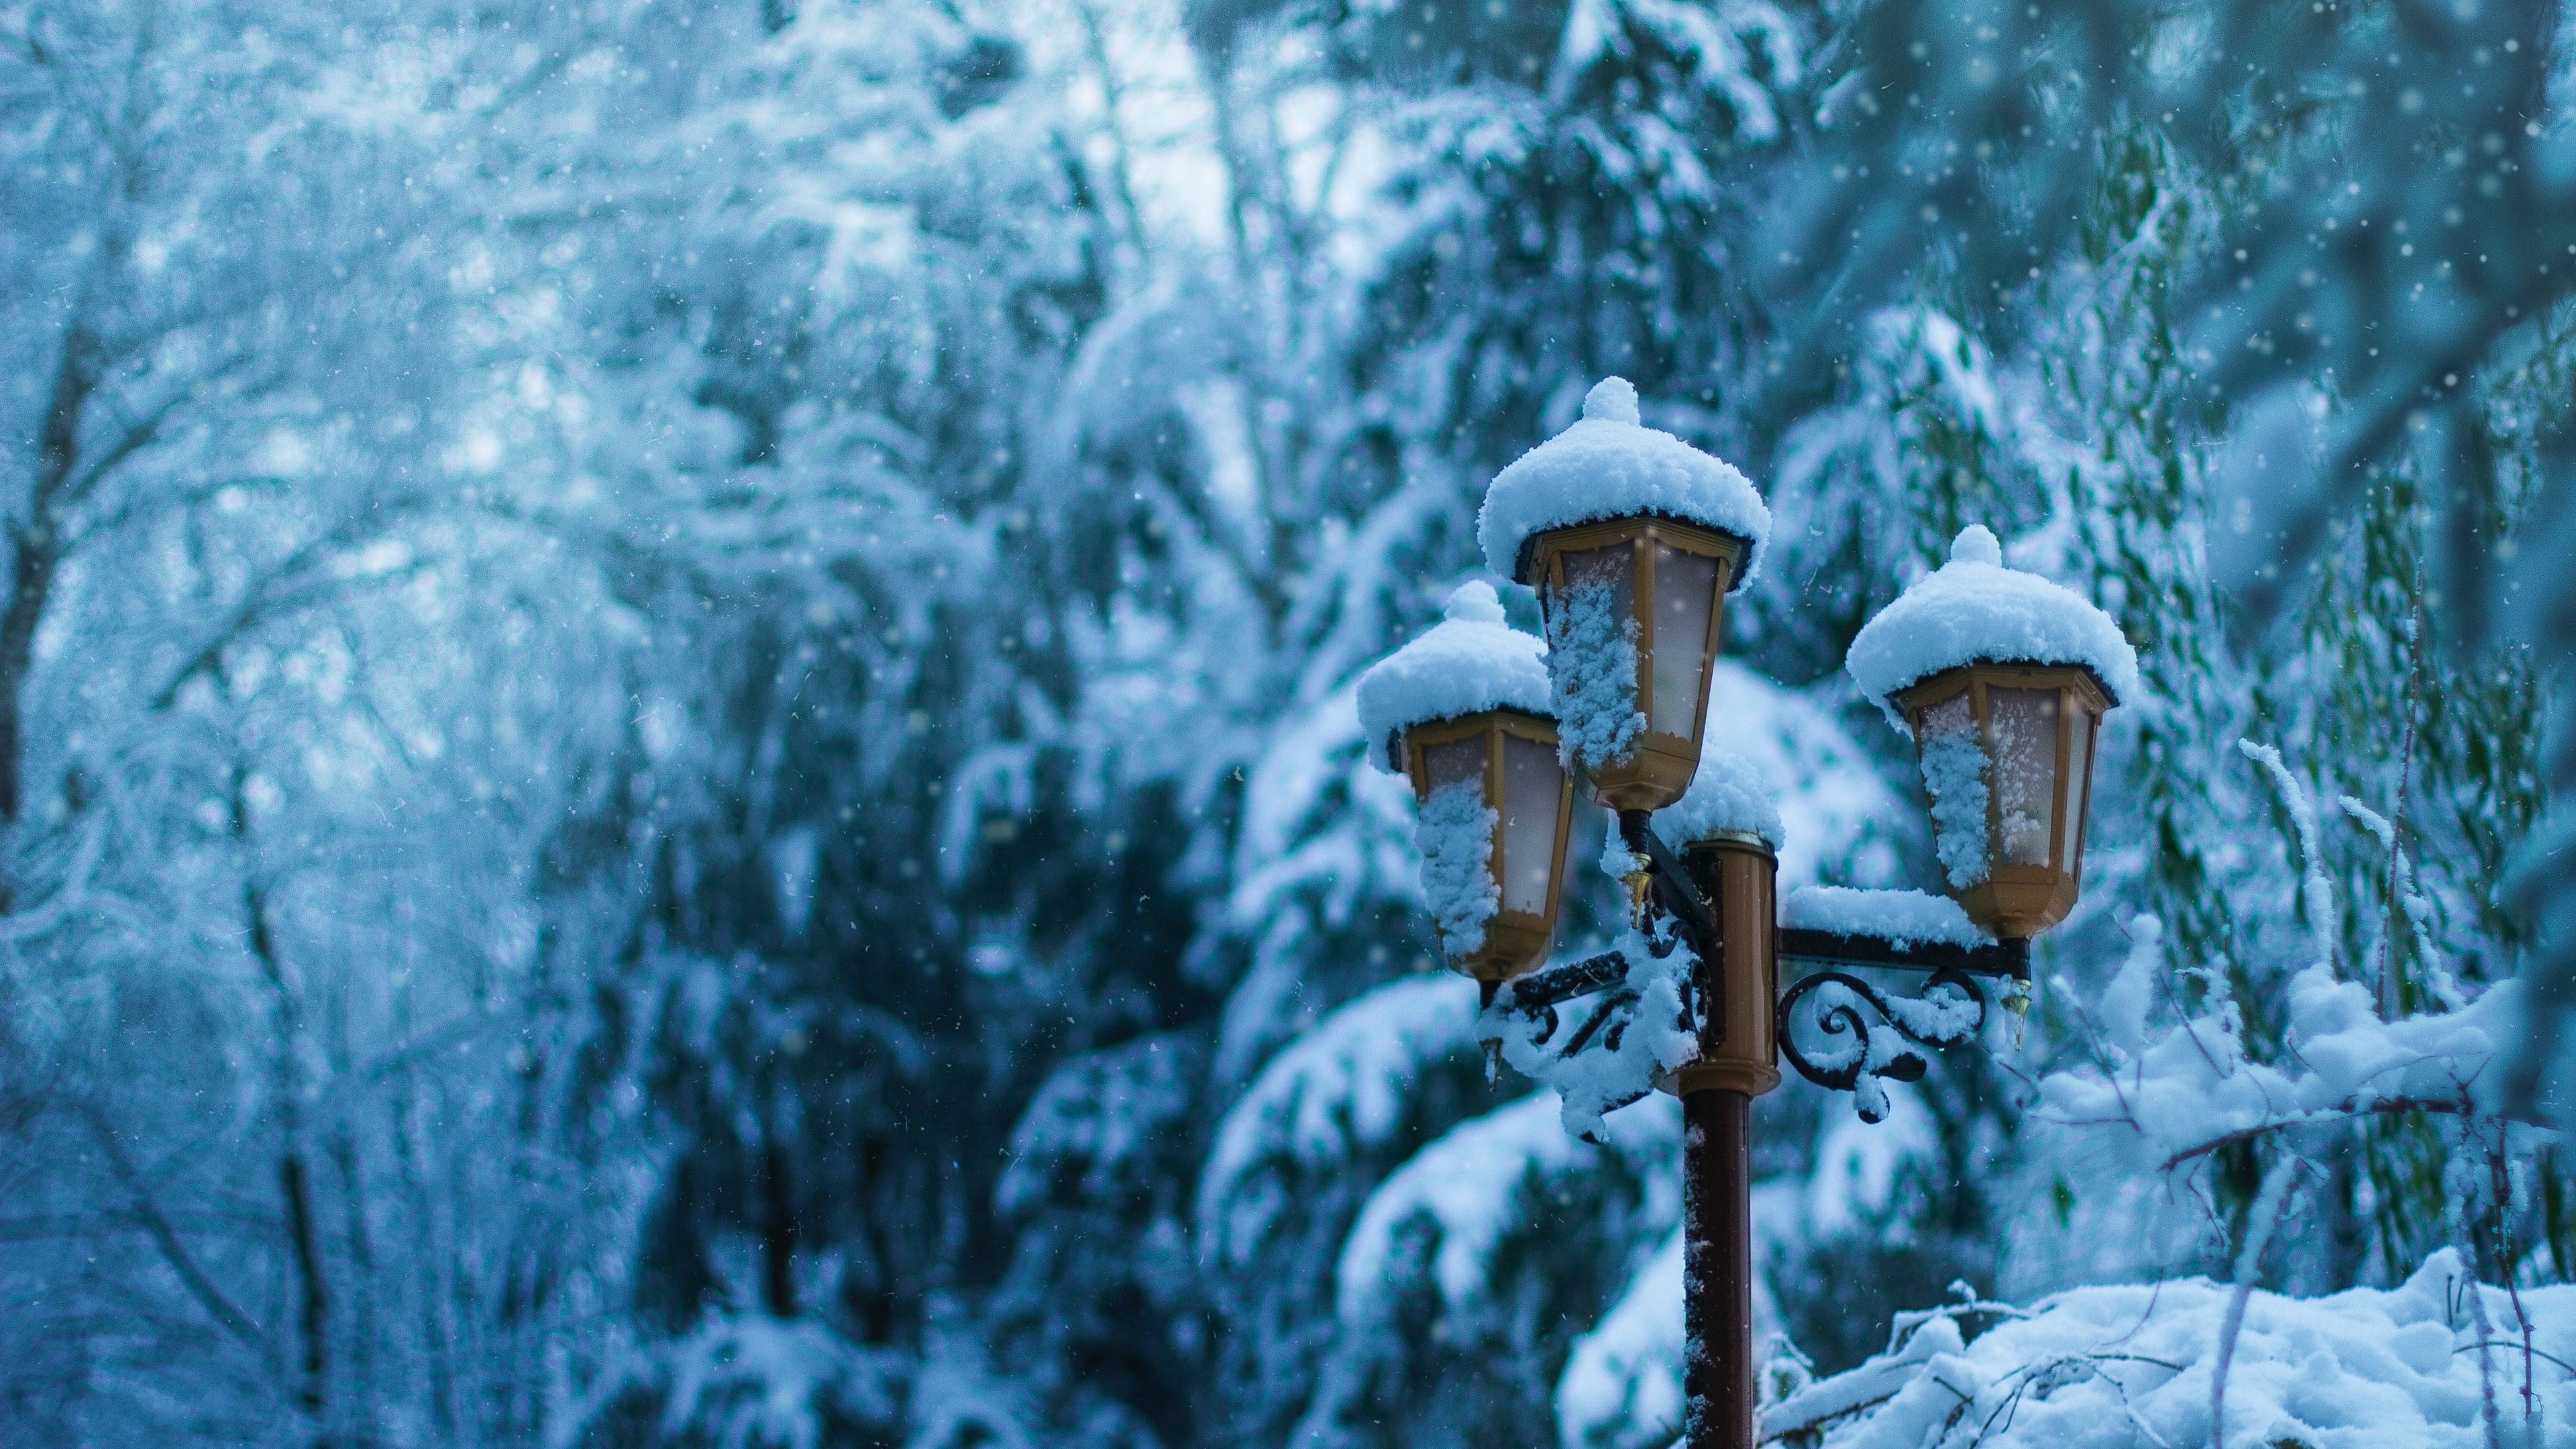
<point>1533,793</point>
<point>1612,569</point>
<point>1685,606</point>
<point>2079,787</point>
<point>2024,725</point>
<point>1451,761</point>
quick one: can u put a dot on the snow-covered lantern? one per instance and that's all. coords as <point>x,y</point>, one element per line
<point>1632,538</point>
<point>1464,712</point>
<point>2002,677</point>
<point>1729,835</point>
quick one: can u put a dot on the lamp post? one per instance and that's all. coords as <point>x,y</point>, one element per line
<point>1632,540</point>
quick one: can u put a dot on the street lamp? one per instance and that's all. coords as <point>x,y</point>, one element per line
<point>1632,539</point>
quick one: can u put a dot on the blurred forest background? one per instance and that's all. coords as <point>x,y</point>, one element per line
<point>676,761</point>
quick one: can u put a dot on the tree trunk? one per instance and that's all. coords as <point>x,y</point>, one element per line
<point>294,1178</point>
<point>777,1234</point>
<point>313,1308</point>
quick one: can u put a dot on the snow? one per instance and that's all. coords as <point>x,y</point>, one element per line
<point>1617,861</point>
<point>2419,910</point>
<point>1838,814</point>
<point>1469,662</point>
<point>1456,834</point>
<point>1858,1164</point>
<point>2193,1085</point>
<point>2316,890</point>
<point>1341,1086</point>
<point>1905,918</point>
<point>1728,794</point>
<point>1592,645</point>
<point>1609,465</point>
<point>915,528</point>
<point>1100,1118</point>
<point>755,1382</point>
<point>2130,999</point>
<point>1954,776</point>
<point>1465,1183</point>
<point>1974,608</point>
<point>1946,1012</point>
<point>2132,1367</point>
<point>1622,1384</point>
<point>1596,1081</point>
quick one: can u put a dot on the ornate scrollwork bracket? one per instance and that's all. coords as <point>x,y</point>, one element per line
<point>1678,917</point>
<point>1883,1033</point>
<point>1646,998</point>
<point>1841,1031</point>
<point>1531,1004</point>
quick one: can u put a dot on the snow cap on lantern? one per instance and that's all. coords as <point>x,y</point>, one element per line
<point>1974,608</point>
<point>1610,465</point>
<point>2002,677</point>
<point>1632,539</point>
<point>1463,711</point>
<point>1469,662</point>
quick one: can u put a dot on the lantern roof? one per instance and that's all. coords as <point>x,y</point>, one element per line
<point>1469,662</point>
<point>1726,797</point>
<point>1974,609</point>
<point>1610,465</point>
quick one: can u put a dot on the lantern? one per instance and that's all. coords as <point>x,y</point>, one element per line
<point>2007,755</point>
<point>1632,539</point>
<point>1463,712</point>
<point>1495,802</point>
<point>2002,677</point>
<point>1661,585</point>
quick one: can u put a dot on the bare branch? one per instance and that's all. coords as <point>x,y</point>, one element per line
<point>148,1213</point>
<point>2454,1107</point>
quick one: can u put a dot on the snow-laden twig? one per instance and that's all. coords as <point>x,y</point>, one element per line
<point>2249,1263</point>
<point>2316,892</point>
<point>2407,903</point>
<point>2513,1288</point>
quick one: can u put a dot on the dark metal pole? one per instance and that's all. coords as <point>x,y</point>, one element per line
<point>1717,1271</point>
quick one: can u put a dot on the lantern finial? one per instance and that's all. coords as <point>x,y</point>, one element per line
<point>1976,543</point>
<point>1470,662</point>
<point>1612,400</point>
<point>1474,602</point>
<point>1973,609</point>
<point>1609,466</point>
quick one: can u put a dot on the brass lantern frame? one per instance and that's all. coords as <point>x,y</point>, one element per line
<point>2017,901</point>
<point>1515,941</point>
<point>1659,768</point>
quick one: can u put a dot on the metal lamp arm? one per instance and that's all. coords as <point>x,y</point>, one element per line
<point>1674,893</point>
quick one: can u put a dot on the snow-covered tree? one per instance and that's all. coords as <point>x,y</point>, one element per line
<point>677,746</point>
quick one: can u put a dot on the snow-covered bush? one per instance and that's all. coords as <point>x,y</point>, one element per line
<point>2438,1361</point>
